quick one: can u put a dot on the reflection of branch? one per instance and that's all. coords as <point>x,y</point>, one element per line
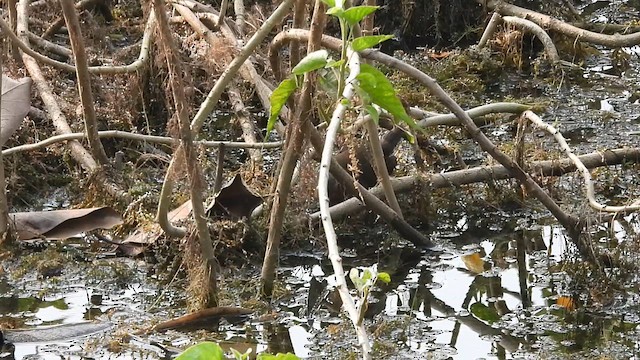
<point>586,175</point>
<point>509,342</point>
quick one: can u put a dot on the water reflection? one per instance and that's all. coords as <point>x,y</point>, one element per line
<point>500,297</point>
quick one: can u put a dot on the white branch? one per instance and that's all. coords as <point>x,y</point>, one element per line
<point>332,241</point>
<point>588,182</point>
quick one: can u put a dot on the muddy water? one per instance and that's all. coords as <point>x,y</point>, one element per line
<point>490,294</point>
<point>506,283</point>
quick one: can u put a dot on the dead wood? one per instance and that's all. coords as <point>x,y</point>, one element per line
<point>78,152</point>
<point>84,81</point>
<point>550,23</point>
<point>487,174</point>
<point>295,139</point>
<point>196,188</point>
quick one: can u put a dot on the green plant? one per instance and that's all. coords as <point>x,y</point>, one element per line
<point>364,278</point>
<point>211,351</point>
<point>374,89</point>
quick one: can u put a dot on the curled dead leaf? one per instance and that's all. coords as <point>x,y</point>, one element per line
<point>62,224</point>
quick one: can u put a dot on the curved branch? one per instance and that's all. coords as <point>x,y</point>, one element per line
<point>548,22</point>
<point>586,175</point>
<point>539,32</point>
<point>142,58</point>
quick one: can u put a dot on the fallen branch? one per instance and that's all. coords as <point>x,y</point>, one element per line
<point>147,138</point>
<point>487,173</point>
<point>588,182</point>
<point>550,23</point>
<point>23,45</point>
<point>78,152</point>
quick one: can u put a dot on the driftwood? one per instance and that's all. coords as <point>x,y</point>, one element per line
<point>487,174</point>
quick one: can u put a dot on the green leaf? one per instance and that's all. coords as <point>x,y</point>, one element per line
<point>483,312</point>
<point>366,275</point>
<point>330,3</point>
<point>354,15</point>
<point>278,356</point>
<point>375,115</point>
<point>366,42</point>
<point>354,275</point>
<point>336,11</point>
<point>279,98</point>
<point>334,64</point>
<point>384,277</point>
<point>313,61</point>
<point>203,351</point>
<point>382,93</point>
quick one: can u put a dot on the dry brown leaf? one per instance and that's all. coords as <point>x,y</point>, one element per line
<point>16,102</point>
<point>474,263</point>
<point>62,224</point>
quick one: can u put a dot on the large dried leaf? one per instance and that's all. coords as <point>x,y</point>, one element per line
<point>235,200</point>
<point>16,101</point>
<point>62,224</point>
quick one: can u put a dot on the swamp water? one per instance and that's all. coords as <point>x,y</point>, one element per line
<point>507,283</point>
<point>491,294</point>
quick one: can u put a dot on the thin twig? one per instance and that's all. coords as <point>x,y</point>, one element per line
<point>141,137</point>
